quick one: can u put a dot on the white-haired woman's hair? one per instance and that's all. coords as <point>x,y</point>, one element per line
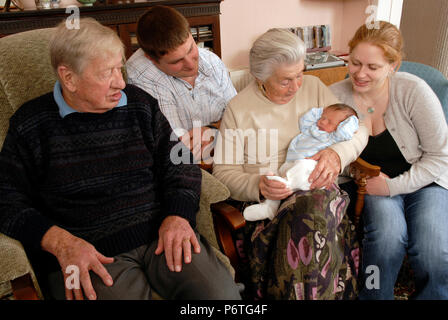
<point>75,47</point>
<point>275,47</point>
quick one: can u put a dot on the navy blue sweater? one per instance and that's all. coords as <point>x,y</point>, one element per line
<point>106,178</point>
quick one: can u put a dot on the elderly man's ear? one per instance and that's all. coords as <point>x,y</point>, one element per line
<point>67,77</point>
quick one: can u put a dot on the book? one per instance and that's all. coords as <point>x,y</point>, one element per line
<point>318,60</point>
<point>316,38</point>
<point>326,36</point>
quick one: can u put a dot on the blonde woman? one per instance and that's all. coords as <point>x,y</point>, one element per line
<point>405,209</point>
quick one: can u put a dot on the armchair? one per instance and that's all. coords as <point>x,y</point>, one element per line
<point>26,73</point>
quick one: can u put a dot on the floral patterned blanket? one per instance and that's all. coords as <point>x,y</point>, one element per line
<point>308,251</point>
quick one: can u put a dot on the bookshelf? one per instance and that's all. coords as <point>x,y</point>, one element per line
<point>203,35</point>
<point>211,40</point>
<point>122,17</point>
<point>211,31</point>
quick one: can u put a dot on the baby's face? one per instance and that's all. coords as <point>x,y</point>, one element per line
<point>330,119</point>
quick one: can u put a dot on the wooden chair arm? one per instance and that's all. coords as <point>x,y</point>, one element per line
<point>360,171</point>
<point>366,168</point>
<point>216,124</point>
<point>23,288</point>
<point>227,219</point>
<point>206,166</point>
<point>232,216</point>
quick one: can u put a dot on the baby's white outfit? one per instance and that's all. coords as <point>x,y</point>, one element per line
<point>297,169</point>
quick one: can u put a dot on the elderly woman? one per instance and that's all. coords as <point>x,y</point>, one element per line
<point>307,250</point>
<point>405,208</point>
<point>88,186</point>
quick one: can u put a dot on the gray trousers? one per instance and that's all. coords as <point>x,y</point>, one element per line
<point>139,272</point>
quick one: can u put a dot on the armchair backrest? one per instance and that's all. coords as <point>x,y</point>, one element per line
<point>25,72</point>
<point>240,78</point>
<point>433,77</point>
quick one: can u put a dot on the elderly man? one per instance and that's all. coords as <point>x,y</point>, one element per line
<point>191,84</point>
<point>87,184</point>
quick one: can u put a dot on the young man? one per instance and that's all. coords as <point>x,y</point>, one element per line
<point>191,84</point>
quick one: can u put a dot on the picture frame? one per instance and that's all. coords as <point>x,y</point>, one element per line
<point>18,4</point>
<point>15,3</point>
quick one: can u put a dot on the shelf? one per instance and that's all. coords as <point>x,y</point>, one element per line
<point>120,17</point>
<point>329,75</point>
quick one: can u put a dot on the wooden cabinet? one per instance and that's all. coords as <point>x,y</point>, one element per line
<point>329,75</point>
<point>212,40</point>
<point>204,30</point>
<point>201,14</point>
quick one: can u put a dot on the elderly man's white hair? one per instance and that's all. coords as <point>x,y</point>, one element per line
<point>75,47</point>
<point>275,47</point>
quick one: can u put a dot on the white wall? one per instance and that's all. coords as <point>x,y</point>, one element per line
<point>390,10</point>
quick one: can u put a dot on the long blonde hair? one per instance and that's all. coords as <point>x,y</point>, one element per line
<point>387,37</point>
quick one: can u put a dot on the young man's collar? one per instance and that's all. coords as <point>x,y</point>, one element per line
<point>203,65</point>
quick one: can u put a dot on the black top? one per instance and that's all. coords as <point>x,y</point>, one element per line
<point>382,150</point>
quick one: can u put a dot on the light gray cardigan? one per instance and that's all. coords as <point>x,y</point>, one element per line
<point>415,120</point>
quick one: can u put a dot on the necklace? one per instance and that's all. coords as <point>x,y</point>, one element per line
<point>370,106</point>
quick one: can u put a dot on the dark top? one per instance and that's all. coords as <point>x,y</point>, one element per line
<point>382,150</point>
<point>104,177</point>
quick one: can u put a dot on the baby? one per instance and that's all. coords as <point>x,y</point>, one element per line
<point>319,129</point>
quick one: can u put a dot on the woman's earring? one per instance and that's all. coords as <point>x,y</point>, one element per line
<point>393,69</point>
<point>262,88</point>
<point>390,73</point>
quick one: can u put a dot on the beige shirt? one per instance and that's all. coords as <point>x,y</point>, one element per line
<point>255,134</point>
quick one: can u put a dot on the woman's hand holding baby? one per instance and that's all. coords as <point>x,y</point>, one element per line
<point>327,169</point>
<point>273,189</point>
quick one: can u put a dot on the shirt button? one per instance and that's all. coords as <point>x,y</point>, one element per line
<point>403,147</point>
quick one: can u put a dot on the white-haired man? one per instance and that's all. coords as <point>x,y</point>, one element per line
<point>86,183</point>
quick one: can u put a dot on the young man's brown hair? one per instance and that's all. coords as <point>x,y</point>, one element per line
<point>160,30</point>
